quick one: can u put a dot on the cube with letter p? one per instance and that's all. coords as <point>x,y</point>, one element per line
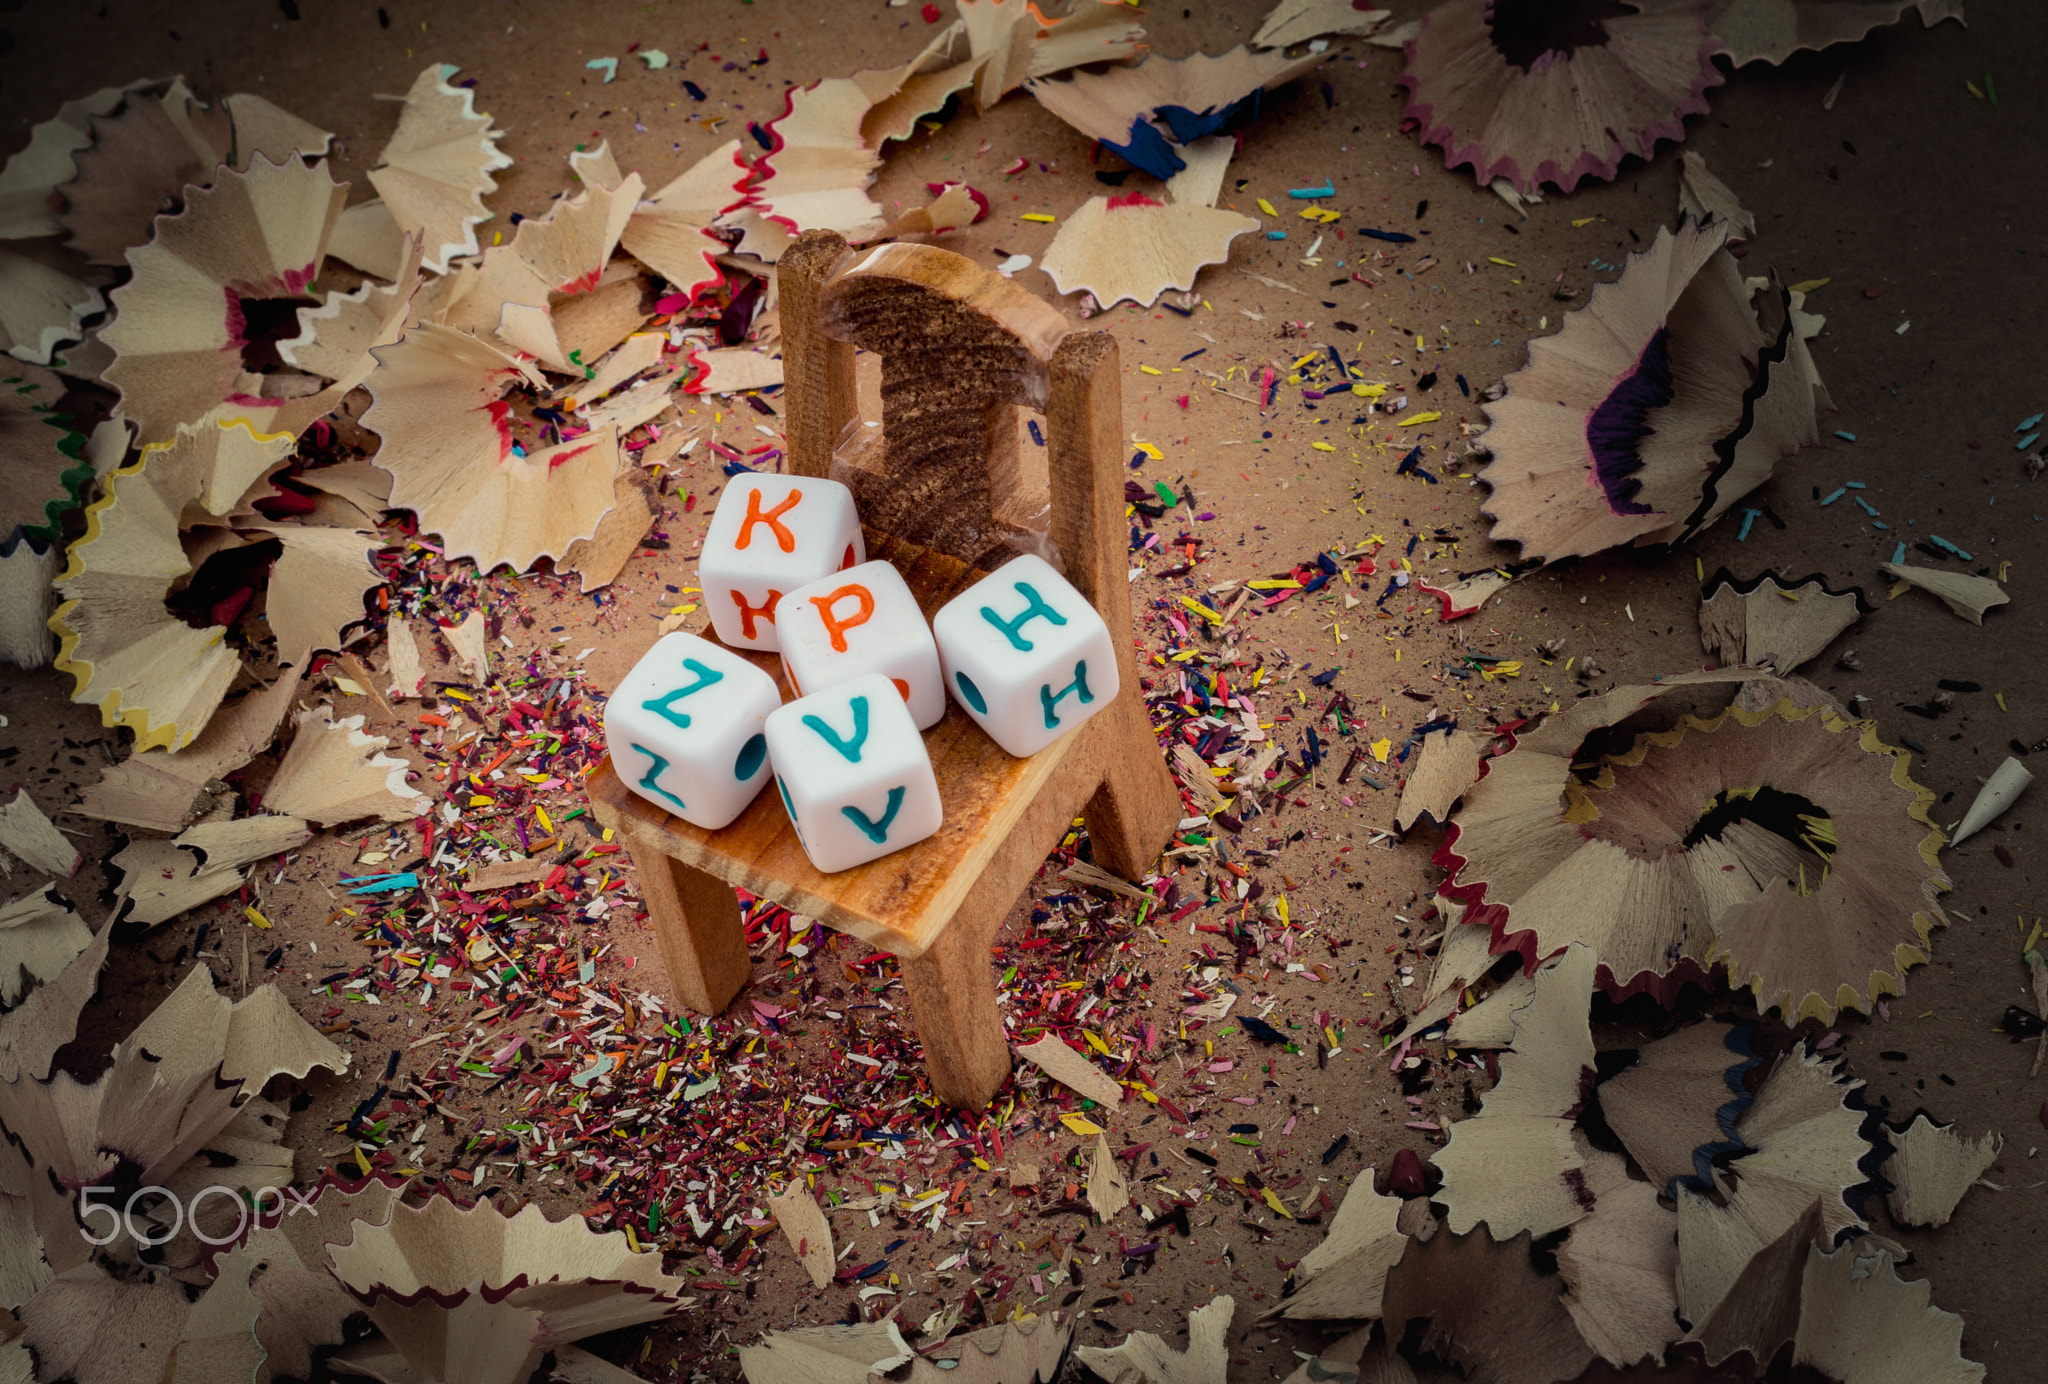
<point>862,620</point>
<point>853,772</point>
<point>685,729</point>
<point>768,536</point>
<point>1025,655</point>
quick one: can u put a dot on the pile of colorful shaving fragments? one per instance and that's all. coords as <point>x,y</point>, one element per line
<point>338,1044</point>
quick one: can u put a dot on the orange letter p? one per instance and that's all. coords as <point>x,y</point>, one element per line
<point>837,628</point>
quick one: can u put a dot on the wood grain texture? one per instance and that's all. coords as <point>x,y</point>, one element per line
<point>696,920</point>
<point>1132,813</point>
<point>961,348</point>
<point>817,371</point>
<point>953,1006</point>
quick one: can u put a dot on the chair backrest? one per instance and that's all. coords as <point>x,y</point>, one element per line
<point>961,349</point>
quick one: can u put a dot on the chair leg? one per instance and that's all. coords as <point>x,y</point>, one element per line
<point>1131,816</point>
<point>953,1004</point>
<point>697,924</point>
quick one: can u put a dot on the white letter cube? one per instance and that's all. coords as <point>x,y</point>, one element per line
<point>686,729</point>
<point>768,536</point>
<point>863,620</point>
<point>853,772</point>
<point>1025,655</point>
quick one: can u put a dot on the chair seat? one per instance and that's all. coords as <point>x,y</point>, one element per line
<point>903,901</point>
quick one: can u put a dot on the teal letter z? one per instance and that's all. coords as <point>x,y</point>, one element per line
<point>663,706</point>
<point>851,749</point>
<point>655,767</point>
<point>877,831</point>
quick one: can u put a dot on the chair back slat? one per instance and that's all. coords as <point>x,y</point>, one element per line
<point>961,349</point>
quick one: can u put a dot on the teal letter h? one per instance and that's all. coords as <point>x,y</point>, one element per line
<point>1078,688</point>
<point>1036,609</point>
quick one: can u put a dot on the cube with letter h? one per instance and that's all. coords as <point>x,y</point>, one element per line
<point>853,772</point>
<point>1026,655</point>
<point>862,620</point>
<point>768,536</point>
<point>686,729</point>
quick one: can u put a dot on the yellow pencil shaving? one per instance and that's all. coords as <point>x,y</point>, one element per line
<point>1819,824</point>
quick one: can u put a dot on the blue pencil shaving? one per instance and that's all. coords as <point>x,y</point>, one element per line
<point>1411,465</point>
<point>386,884</point>
<point>2029,440</point>
<point>1866,505</point>
<point>1899,553</point>
<point>1833,496</point>
<point>1276,235</point>
<point>1853,485</point>
<point>1304,194</point>
<point>1942,543</point>
<point>2026,423</point>
<point>1845,436</point>
<point>1748,518</point>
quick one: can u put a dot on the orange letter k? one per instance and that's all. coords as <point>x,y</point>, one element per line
<point>784,539</point>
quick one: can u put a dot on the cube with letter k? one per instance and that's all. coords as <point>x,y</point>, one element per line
<point>768,536</point>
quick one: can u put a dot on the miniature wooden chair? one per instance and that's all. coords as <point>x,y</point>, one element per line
<point>961,348</point>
